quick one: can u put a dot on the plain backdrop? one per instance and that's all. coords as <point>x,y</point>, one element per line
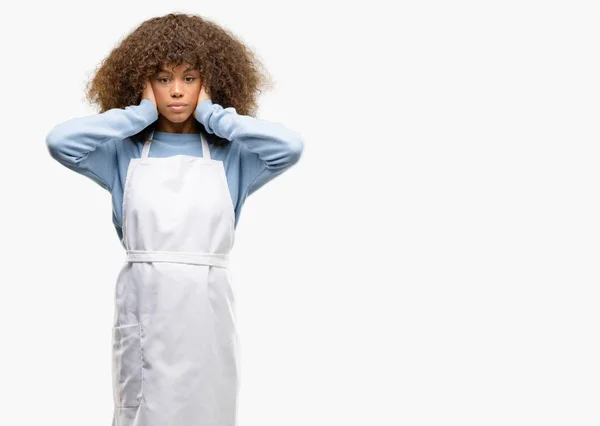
<point>432,259</point>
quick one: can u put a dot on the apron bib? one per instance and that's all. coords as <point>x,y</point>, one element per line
<point>175,355</point>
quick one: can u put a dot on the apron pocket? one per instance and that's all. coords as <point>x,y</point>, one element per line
<point>127,365</point>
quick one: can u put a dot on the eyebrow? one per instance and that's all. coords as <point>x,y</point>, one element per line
<point>186,70</point>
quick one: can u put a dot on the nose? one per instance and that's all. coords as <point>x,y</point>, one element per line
<point>176,89</point>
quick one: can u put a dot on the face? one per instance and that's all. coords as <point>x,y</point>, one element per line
<point>179,85</point>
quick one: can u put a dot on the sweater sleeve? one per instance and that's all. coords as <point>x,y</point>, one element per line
<point>268,149</point>
<point>88,145</point>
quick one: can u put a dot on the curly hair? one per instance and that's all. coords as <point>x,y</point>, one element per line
<point>232,74</point>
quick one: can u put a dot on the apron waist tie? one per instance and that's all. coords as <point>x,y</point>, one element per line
<point>212,259</point>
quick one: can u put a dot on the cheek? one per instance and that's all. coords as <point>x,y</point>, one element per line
<point>160,93</point>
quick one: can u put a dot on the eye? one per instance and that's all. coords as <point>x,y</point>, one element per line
<point>189,79</point>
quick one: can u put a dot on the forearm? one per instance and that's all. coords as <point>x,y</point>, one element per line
<point>70,142</point>
<point>277,146</point>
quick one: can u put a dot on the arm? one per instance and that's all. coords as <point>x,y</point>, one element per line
<point>87,145</point>
<point>268,148</point>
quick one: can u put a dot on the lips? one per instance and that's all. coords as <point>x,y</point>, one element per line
<point>177,108</point>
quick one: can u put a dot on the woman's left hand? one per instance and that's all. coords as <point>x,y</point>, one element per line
<point>203,94</point>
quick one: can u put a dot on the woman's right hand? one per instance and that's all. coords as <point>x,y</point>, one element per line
<point>148,93</point>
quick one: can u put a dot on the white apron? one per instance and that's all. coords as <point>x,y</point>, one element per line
<point>175,358</point>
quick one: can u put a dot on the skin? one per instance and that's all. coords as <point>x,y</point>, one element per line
<point>175,85</point>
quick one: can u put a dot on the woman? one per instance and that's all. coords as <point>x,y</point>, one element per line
<point>178,148</point>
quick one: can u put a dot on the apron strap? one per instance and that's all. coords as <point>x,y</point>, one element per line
<point>146,149</point>
<point>205,150</point>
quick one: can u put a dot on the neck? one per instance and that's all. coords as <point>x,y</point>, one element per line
<point>188,126</point>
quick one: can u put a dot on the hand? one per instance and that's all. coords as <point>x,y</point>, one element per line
<point>148,93</point>
<point>203,95</point>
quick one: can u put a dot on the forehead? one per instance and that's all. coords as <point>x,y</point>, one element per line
<point>168,68</point>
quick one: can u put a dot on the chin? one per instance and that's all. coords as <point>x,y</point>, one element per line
<point>177,118</point>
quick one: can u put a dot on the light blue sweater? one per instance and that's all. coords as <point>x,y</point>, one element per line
<point>99,147</point>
